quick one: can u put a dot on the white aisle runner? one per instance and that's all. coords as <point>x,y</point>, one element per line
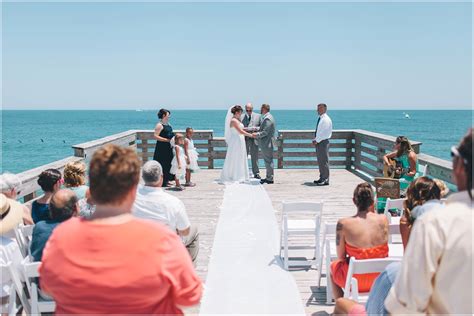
<point>245,274</point>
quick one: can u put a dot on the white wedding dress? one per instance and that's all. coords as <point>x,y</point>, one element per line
<point>236,165</point>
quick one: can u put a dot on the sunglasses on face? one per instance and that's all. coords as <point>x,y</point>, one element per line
<point>455,153</point>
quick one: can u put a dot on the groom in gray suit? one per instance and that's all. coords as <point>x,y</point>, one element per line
<point>265,138</point>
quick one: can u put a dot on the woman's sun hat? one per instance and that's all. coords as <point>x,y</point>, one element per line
<point>11,214</point>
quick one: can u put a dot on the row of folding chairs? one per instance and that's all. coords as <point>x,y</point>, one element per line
<point>24,285</point>
<point>24,281</point>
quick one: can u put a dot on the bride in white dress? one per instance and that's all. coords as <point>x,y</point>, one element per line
<point>236,168</point>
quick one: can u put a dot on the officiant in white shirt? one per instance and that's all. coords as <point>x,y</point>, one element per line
<point>322,134</point>
<point>251,123</point>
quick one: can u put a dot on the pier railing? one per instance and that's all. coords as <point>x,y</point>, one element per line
<point>358,151</point>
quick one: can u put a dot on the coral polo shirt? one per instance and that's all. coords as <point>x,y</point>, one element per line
<point>135,267</point>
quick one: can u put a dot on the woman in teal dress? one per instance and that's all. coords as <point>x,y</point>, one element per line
<point>407,158</point>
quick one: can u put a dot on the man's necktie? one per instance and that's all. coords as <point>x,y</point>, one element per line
<point>317,124</point>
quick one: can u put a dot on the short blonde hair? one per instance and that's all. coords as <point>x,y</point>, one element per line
<point>75,174</point>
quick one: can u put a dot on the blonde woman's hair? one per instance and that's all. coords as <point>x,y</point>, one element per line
<point>75,174</point>
<point>442,187</point>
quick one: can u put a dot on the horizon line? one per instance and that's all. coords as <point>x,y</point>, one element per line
<point>223,109</point>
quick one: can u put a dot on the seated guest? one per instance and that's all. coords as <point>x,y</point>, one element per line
<point>63,206</point>
<point>423,195</point>
<point>115,263</point>
<point>405,155</point>
<point>75,178</point>
<point>10,186</point>
<point>50,181</point>
<point>363,236</point>
<point>10,217</point>
<point>155,204</point>
<point>436,273</point>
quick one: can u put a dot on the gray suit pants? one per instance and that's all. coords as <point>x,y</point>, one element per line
<point>191,241</point>
<point>267,154</point>
<point>252,149</point>
<point>322,152</point>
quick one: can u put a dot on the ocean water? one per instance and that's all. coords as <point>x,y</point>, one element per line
<point>33,138</point>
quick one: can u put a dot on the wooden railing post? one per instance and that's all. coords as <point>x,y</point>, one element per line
<point>210,152</point>
<point>357,151</point>
<point>144,150</point>
<point>280,151</point>
<point>349,152</point>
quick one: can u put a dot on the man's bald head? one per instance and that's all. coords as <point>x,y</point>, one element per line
<point>249,107</point>
<point>63,205</point>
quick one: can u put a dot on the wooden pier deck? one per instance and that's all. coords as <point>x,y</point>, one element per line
<point>203,202</point>
<point>357,151</point>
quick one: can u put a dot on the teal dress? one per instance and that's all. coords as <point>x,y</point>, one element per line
<point>404,180</point>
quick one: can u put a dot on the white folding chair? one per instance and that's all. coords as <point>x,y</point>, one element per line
<point>10,308</point>
<point>328,231</point>
<point>39,304</point>
<point>300,227</point>
<point>17,284</point>
<point>351,289</point>
<point>393,230</point>
<point>391,204</point>
<point>329,253</point>
<point>423,170</point>
<point>23,235</point>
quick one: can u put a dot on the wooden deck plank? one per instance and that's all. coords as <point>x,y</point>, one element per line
<point>203,207</point>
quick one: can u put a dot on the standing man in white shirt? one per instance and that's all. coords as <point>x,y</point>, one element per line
<point>154,204</point>
<point>322,134</point>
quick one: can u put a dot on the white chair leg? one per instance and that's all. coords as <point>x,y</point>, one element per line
<point>355,289</point>
<point>34,299</point>
<point>285,242</point>
<point>329,297</point>
<point>12,302</point>
<point>316,239</point>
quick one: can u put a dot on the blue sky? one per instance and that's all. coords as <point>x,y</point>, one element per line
<point>212,55</point>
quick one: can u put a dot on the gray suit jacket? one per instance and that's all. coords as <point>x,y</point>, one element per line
<point>253,122</point>
<point>266,133</point>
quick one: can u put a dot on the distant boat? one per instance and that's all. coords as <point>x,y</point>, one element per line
<point>138,110</point>
<point>407,116</point>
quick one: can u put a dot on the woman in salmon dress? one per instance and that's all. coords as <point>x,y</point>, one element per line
<point>362,236</point>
